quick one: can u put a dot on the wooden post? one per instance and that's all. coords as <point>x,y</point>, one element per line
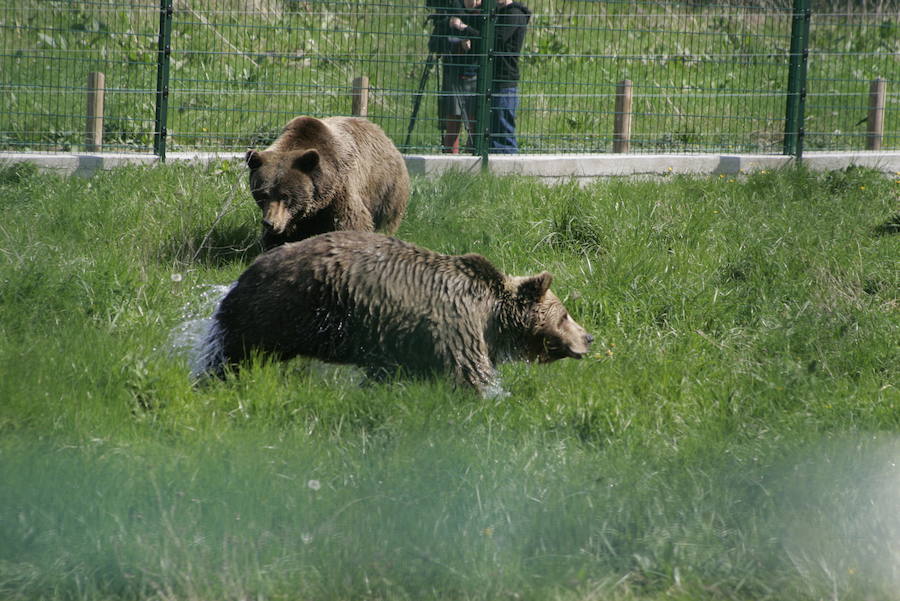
<point>360,96</point>
<point>622,124</point>
<point>875,120</point>
<point>95,90</point>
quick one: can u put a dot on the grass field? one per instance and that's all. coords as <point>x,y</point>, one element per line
<point>735,434</point>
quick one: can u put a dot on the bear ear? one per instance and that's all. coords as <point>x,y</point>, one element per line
<point>253,159</point>
<point>535,287</point>
<point>307,161</point>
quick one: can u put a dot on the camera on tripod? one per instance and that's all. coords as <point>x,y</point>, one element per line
<point>443,39</point>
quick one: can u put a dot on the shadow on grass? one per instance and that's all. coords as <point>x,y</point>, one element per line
<point>891,226</point>
<point>16,173</point>
<point>220,246</point>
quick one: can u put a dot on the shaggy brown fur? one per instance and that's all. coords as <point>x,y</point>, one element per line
<point>384,304</point>
<point>324,175</point>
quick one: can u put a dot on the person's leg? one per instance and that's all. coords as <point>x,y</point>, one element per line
<point>450,137</point>
<point>504,103</point>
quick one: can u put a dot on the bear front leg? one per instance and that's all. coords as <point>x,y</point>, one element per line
<point>475,370</point>
<point>483,378</point>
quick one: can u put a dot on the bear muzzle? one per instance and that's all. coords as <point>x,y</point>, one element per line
<point>554,349</point>
<point>276,217</point>
<point>577,352</point>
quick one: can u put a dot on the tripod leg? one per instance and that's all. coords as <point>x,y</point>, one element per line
<point>417,101</point>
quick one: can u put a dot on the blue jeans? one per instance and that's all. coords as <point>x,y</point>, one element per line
<point>504,102</point>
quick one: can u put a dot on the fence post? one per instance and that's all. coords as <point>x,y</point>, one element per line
<point>95,92</point>
<point>164,50</point>
<point>622,123</point>
<point>796,96</point>
<point>875,120</point>
<point>485,83</point>
<point>360,98</point>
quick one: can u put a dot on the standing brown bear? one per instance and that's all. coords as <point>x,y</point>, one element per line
<point>387,305</point>
<point>324,175</point>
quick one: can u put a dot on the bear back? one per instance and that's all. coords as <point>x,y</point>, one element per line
<point>305,133</point>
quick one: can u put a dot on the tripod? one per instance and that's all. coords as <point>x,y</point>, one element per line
<point>417,101</point>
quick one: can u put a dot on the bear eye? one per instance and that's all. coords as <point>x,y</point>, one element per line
<point>563,319</point>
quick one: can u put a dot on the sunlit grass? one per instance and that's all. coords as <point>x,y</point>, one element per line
<point>732,435</point>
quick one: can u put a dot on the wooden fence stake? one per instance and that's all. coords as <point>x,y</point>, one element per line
<point>622,124</point>
<point>95,91</point>
<point>875,120</point>
<point>360,96</point>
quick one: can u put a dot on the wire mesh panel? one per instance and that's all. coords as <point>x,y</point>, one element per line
<point>703,77</point>
<point>592,75</point>
<point>241,69</point>
<point>48,49</point>
<point>849,50</point>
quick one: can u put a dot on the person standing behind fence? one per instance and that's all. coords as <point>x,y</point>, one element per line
<point>509,38</point>
<point>459,75</point>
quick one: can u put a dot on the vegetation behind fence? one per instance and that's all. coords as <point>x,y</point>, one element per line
<point>222,75</point>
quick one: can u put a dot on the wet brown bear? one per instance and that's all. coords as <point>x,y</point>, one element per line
<point>324,175</point>
<point>384,304</point>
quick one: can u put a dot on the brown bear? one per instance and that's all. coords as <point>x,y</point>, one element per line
<point>324,175</point>
<point>387,305</point>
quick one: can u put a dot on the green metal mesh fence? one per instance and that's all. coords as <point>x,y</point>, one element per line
<point>47,50</point>
<point>240,71</point>
<point>848,52</point>
<point>702,77</point>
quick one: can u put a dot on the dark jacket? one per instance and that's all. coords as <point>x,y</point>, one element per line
<point>509,37</point>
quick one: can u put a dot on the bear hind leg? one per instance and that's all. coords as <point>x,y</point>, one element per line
<point>392,208</point>
<point>355,217</point>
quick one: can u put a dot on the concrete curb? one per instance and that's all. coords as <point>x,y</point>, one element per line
<point>546,166</point>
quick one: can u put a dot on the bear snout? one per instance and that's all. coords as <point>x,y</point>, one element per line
<point>578,351</point>
<point>275,216</point>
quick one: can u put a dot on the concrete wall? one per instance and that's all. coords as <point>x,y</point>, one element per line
<point>550,167</point>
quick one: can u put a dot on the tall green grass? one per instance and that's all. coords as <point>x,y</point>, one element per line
<point>733,436</point>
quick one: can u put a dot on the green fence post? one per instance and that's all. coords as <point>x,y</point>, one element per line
<point>164,50</point>
<point>796,97</point>
<point>485,82</point>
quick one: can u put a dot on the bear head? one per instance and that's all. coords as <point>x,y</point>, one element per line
<point>549,331</point>
<point>287,186</point>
